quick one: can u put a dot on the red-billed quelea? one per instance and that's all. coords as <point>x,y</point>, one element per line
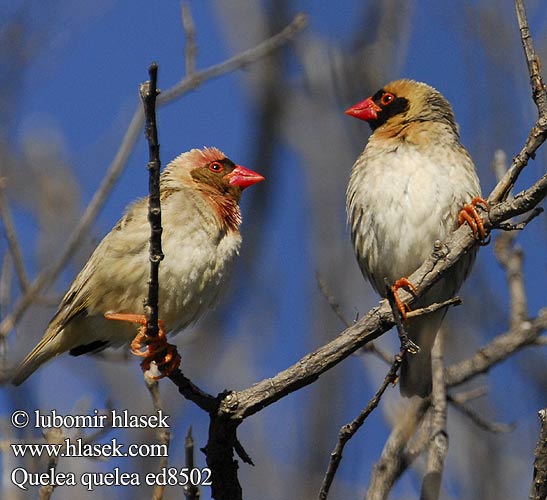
<point>200,192</point>
<point>407,190</point>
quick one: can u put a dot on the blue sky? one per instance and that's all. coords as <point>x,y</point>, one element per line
<point>81,90</point>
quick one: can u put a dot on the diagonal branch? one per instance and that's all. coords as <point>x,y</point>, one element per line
<point>243,59</point>
<point>378,320</point>
<point>499,349</point>
<point>494,427</point>
<point>190,48</point>
<point>349,430</point>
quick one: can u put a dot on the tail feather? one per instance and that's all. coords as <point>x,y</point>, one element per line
<point>43,352</point>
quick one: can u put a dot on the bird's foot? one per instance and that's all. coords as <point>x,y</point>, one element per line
<point>152,349</point>
<point>470,215</point>
<point>402,283</point>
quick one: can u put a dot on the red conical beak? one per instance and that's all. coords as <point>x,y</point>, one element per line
<point>365,110</point>
<point>243,177</point>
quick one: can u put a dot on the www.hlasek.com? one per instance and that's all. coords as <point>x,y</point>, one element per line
<point>167,476</point>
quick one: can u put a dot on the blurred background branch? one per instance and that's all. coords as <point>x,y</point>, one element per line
<point>68,74</point>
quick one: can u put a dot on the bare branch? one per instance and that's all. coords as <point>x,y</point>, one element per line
<point>511,258</point>
<point>148,93</point>
<point>52,436</point>
<point>337,309</point>
<point>539,132</point>
<point>526,219</point>
<point>455,301</point>
<point>538,490</point>
<point>190,48</point>
<point>392,462</point>
<point>349,430</point>
<point>539,93</point>
<point>498,350</point>
<point>193,393</point>
<point>331,299</point>
<point>480,422</point>
<point>243,59</point>
<point>380,319</point>
<point>469,395</point>
<point>13,242</point>
<point>438,446</point>
<point>163,435</point>
<point>305,371</point>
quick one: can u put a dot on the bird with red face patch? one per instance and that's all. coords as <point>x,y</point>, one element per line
<point>413,184</point>
<point>200,192</point>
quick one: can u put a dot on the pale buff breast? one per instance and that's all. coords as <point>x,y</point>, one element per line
<point>400,202</point>
<point>199,255</point>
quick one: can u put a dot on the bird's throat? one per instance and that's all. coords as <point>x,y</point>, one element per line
<point>227,210</point>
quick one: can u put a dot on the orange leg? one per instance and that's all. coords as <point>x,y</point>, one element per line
<point>155,349</point>
<point>470,215</point>
<point>402,283</point>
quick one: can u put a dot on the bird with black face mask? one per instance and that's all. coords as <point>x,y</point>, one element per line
<point>407,190</point>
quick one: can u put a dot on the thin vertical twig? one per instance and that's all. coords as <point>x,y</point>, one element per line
<point>538,491</point>
<point>148,93</point>
<point>393,460</point>
<point>539,94</point>
<point>163,435</point>
<point>511,258</point>
<point>6,278</point>
<point>190,47</point>
<point>438,446</point>
<point>55,437</point>
<point>191,491</point>
<point>532,58</point>
<point>13,242</point>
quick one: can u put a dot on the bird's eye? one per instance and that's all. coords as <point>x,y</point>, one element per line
<point>387,99</point>
<point>216,167</point>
